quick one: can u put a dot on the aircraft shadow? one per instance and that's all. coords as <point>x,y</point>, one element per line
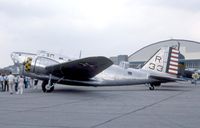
<point>121,89</point>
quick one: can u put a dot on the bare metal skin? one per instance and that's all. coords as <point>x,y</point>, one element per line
<point>97,71</point>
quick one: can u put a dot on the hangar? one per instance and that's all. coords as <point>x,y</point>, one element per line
<point>190,50</point>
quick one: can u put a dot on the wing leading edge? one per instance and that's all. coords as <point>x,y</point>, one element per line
<point>81,69</point>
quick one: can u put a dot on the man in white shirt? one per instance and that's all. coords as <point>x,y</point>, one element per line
<point>1,82</point>
<point>11,82</point>
<point>16,79</point>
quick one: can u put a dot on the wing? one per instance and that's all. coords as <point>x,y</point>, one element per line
<point>81,69</point>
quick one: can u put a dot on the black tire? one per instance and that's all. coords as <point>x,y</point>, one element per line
<point>44,89</point>
<point>151,88</point>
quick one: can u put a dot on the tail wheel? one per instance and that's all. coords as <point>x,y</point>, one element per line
<point>46,87</point>
<point>151,87</point>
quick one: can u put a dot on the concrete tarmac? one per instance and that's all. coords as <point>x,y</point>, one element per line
<point>174,105</point>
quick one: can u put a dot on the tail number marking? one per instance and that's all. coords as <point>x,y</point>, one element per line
<point>156,65</point>
<point>153,66</point>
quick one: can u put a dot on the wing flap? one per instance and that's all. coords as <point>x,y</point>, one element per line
<point>81,69</point>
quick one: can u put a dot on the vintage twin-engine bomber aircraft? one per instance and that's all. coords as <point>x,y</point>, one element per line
<point>97,71</point>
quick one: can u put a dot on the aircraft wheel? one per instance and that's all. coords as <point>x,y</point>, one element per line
<point>46,88</point>
<point>151,87</point>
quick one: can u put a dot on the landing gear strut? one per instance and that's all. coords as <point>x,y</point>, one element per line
<point>47,86</point>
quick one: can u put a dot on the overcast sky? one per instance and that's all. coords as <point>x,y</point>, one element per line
<point>97,27</point>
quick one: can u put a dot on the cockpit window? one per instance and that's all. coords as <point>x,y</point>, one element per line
<point>43,61</point>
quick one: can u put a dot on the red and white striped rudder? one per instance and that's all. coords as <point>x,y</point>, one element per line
<point>173,61</point>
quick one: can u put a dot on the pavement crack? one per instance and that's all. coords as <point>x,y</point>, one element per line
<point>139,109</point>
<point>55,105</point>
<point>36,125</point>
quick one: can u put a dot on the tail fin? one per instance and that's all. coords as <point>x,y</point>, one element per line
<point>165,60</point>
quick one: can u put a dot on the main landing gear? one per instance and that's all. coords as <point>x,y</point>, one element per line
<point>48,86</point>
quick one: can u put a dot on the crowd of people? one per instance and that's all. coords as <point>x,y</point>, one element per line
<point>14,83</point>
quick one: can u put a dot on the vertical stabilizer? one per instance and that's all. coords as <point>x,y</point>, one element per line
<point>165,60</point>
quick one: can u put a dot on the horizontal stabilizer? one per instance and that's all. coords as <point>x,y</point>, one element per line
<point>165,78</point>
<point>81,69</point>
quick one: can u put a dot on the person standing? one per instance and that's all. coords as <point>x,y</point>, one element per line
<point>1,82</point>
<point>16,82</point>
<point>25,82</point>
<point>11,82</point>
<point>6,86</point>
<point>35,81</point>
<point>20,85</point>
